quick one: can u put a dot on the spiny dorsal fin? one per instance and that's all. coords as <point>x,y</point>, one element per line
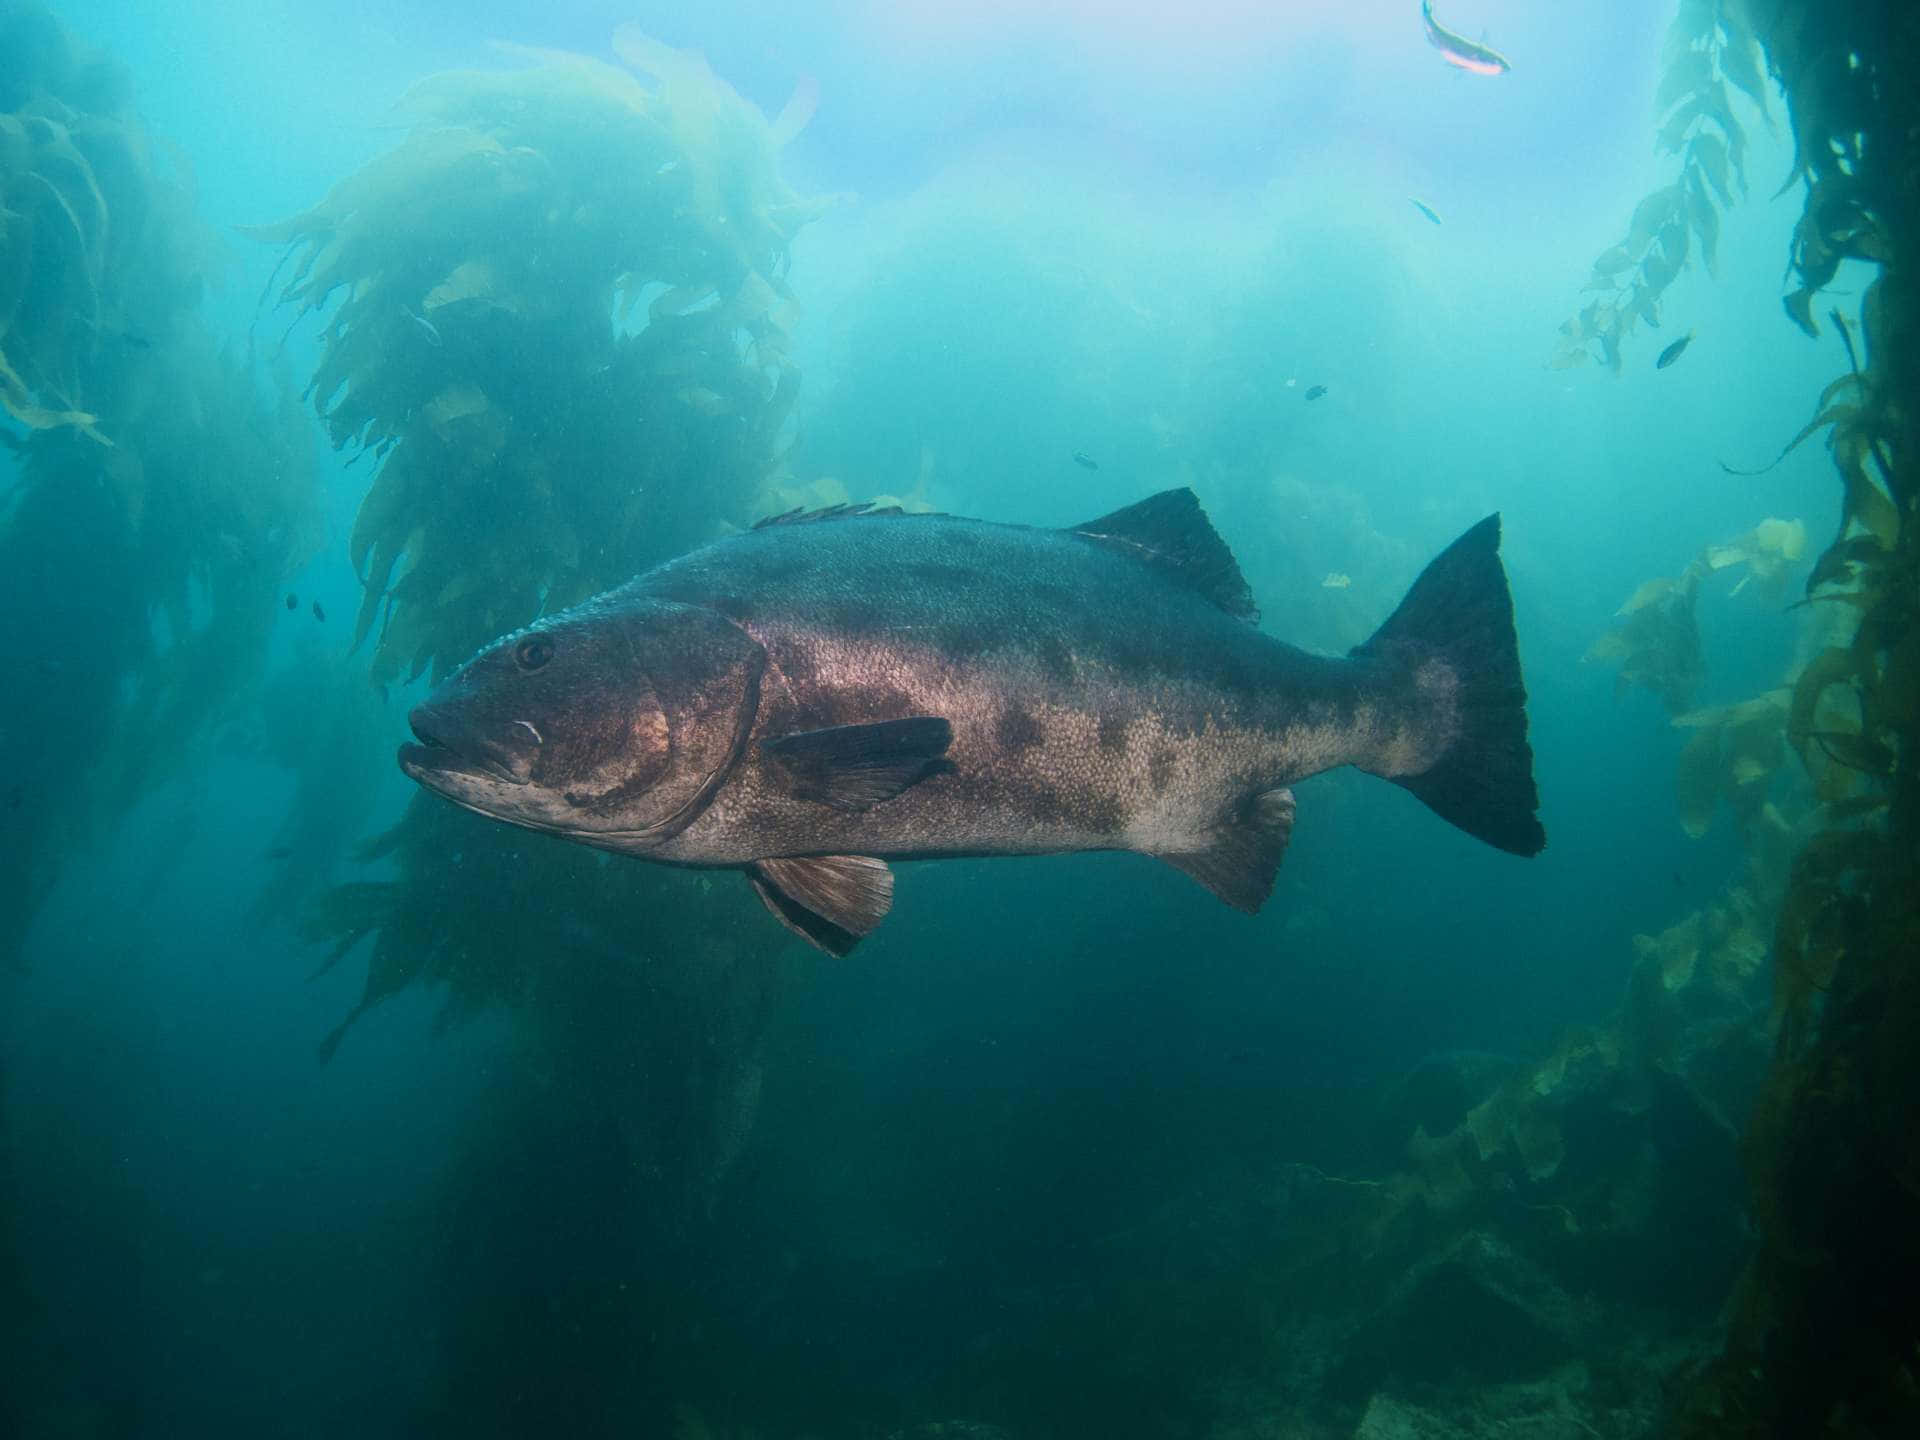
<point>1171,533</point>
<point>800,515</point>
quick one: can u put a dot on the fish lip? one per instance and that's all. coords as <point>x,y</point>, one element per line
<point>435,755</point>
<point>419,761</point>
<point>423,762</point>
<point>421,721</point>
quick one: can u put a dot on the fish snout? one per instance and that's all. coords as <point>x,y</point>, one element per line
<point>449,742</point>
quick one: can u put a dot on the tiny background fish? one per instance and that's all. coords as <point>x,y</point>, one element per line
<point>1674,351</point>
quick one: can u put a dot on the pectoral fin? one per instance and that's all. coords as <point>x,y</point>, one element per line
<point>852,767</point>
<point>1240,864</point>
<point>832,901</point>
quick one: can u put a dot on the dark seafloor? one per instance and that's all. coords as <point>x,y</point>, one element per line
<point>337,341</point>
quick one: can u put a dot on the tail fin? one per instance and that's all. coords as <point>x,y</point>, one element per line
<point>1459,610</point>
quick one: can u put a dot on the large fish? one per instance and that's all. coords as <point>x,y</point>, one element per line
<point>834,689</point>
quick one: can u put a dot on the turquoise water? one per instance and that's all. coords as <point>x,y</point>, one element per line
<point>1059,1149</point>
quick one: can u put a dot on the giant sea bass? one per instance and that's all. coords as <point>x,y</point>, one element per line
<point>838,688</point>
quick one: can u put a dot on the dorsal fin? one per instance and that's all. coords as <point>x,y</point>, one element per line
<point>800,515</point>
<point>1170,532</point>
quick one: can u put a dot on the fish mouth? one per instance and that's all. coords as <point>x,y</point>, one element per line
<point>437,755</point>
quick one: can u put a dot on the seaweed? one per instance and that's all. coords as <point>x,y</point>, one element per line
<point>1655,637</point>
<point>319,720</point>
<point>553,304</point>
<point>1822,1332</point>
<point>637,992</point>
<point>1710,53</point>
<point>165,485</point>
<point>554,319</point>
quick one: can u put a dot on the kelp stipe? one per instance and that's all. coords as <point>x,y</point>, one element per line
<point>1823,1331</point>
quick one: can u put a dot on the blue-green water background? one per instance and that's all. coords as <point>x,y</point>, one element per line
<point>1120,233</point>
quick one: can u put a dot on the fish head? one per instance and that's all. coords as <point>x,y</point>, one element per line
<point>612,723</point>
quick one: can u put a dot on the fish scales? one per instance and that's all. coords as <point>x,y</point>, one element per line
<point>824,693</point>
<point>1094,704</point>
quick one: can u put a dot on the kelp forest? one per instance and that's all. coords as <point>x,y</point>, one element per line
<point>543,340</point>
<point>1822,1334</point>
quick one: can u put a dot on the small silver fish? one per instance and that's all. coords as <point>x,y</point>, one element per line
<point>426,327</point>
<point>1460,52</point>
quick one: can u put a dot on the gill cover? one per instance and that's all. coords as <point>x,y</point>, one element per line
<point>701,687</point>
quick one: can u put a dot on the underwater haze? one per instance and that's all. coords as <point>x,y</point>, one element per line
<point>342,340</point>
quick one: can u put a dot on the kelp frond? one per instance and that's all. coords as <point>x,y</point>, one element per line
<point>1710,47</point>
<point>1821,1338</point>
<point>480,283</point>
<point>165,486</point>
<point>1734,752</point>
<point>1655,638</point>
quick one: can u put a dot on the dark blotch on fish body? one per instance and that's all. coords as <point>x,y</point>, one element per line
<point>1674,351</point>
<point>293,601</point>
<point>1018,730</point>
<point>318,613</point>
<point>1085,461</point>
<point>1101,687</point>
<point>1314,392</point>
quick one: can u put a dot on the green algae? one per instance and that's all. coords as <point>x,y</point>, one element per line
<point>166,484</point>
<point>537,431</point>
<point>1822,1333</point>
<point>1710,54</point>
<point>1655,636</point>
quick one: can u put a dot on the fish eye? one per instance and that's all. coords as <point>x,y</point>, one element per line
<point>533,652</point>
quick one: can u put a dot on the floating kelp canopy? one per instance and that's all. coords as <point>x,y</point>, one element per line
<point>165,489</point>
<point>559,326</point>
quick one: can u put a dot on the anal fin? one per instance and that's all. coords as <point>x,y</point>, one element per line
<point>830,901</point>
<point>1240,864</point>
